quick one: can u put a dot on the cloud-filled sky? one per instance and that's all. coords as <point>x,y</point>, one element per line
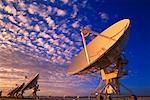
<point>42,36</point>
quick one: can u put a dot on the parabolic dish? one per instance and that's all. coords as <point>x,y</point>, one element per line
<point>16,90</point>
<point>103,49</point>
<point>32,83</point>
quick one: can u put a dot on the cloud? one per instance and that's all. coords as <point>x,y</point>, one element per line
<point>65,1</point>
<point>75,25</point>
<point>60,12</point>
<point>75,11</point>
<point>104,16</point>
<point>53,1</point>
<point>37,28</point>
<point>32,9</point>
<point>11,18</point>
<point>22,5</point>
<point>50,21</point>
<point>8,9</point>
<point>22,18</point>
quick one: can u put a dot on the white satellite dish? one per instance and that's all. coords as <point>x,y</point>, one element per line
<point>102,50</point>
<point>104,54</point>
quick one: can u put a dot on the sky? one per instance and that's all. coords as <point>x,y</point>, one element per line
<point>43,36</point>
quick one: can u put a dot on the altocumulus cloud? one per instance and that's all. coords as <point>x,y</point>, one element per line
<point>43,36</point>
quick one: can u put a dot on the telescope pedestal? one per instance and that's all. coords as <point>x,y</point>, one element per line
<point>111,78</point>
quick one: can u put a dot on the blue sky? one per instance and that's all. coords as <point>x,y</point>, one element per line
<point>43,36</point>
<point>138,46</point>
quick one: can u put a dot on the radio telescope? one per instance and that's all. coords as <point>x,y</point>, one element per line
<point>15,91</point>
<point>32,84</point>
<point>104,54</point>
